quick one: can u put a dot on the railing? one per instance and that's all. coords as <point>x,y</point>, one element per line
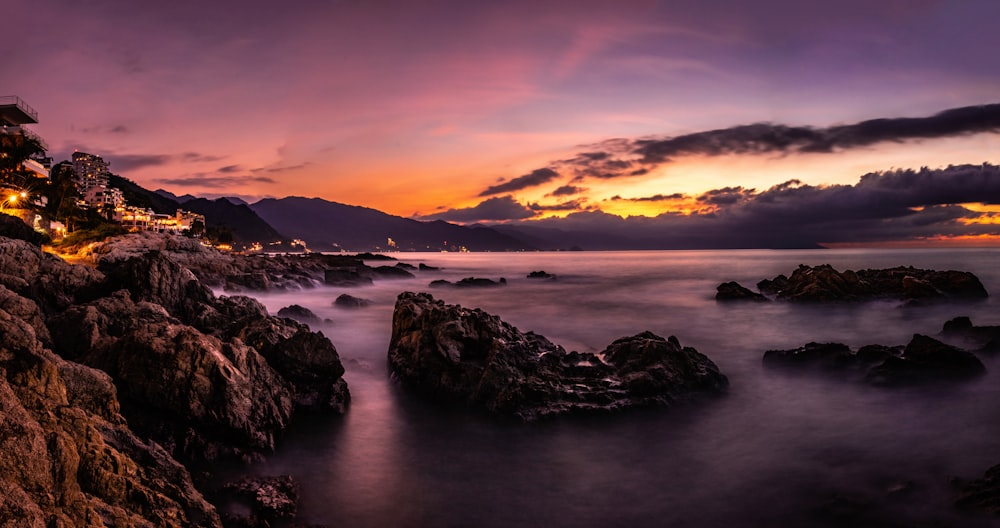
<point>18,102</point>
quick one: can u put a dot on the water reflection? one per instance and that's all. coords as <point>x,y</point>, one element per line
<point>780,449</point>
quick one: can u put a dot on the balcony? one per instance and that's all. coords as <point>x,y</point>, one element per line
<point>14,111</point>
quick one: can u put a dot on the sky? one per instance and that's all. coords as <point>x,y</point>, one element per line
<point>474,111</point>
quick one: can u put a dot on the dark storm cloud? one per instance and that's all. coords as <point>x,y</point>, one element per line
<point>496,209</point>
<point>629,158</point>
<point>764,138</point>
<point>567,190</point>
<point>217,182</point>
<point>532,179</point>
<point>884,206</point>
<point>726,196</point>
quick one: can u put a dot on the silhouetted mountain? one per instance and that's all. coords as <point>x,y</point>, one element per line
<point>238,220</point>
<point>179,199</point>
<point>141,197</point>
<point>328,225</point>
<point>244,224</point>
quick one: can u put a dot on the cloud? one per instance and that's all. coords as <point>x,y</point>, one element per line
<point>127,162</point>
<point>492,209</point>
<point>881,207</point>
<point>532,179</point>
<point>653,198</point>
<point>573,205</point>
<point>229,169</point>
<point>567,190</point>
<point>624,158</point>
<point>726,196</point>
<point>216,182</point>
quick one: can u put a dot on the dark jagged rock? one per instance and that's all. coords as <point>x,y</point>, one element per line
<point>47,280</point>
<point>923,360</point>
<point>980,494</point>
<point>470,357</point>
<point>826,284</point>
<point>986,339</point>
<point>14,227</point>
<point>346,276</point>
<point>350,302</point>
<point>733,291</point>
<point>154,277</point>
<point>267,499</point>
<point>391,272</point>
<point>299,313</point>
<point>469,282</point>
<point>67,456</point>
<point>425,267</point>
<point>927,359</point>
<point>202,397</point>
<point>308,360</point>
<point>405,265</point>
<point>541,274</point>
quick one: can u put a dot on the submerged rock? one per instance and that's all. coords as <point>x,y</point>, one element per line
<point>350,302</point>
<point>923,360</point>
<point>473,358</point>
<point>267,499</point>
<point>733,291</point>
<point>298,313</point>
<point>469,282</point>
<point>826,284</point>
<point>541,274</point>
<point>986,339</point>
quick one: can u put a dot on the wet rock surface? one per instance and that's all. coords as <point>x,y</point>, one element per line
<point>299,313</point>
<point>733,291</point>
<point>923,360</point>
<point>260,501</point>
<point>469,282</point>
<point>819,284</point>
<point>351,302</point>
<point>475,359</point>
<point>112,378</point>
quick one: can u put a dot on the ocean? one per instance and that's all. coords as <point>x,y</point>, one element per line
<point>780,449</point>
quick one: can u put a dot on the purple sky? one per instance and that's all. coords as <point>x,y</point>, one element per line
<point>421,107</point>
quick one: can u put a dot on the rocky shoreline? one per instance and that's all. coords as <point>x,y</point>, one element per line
<point>125,382</point>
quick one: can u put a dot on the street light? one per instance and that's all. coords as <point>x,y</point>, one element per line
<point>10,201</point>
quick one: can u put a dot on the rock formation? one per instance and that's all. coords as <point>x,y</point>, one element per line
<point>469,282</point>
<point>350,302</point>
<point>472,358</point>
<point>923,360</point>
<point>733,291</point>
<point>826,284</point>
<point>109,376</point>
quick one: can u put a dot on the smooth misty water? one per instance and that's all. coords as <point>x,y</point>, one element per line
<point>781,449</point>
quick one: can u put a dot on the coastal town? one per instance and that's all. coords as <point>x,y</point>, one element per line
<point>27,184</point>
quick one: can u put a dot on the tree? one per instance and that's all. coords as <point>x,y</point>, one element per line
<point>15,149</point>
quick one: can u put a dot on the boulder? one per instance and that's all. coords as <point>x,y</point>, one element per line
<point>475,359</point>
<point>923,360</point>
<point>14,227</point>
<point>982,493</point>
<point>826,284</point>
<point>298,313</point>
<point>425,267</point>
<point>202,397</point>
<point>733,291</point>
<point>46,279</point>
<point>391,272</point>
<point>985,339</point>
<point>67,456</point>
<point>926,359</point>
<point>267,499</point>
<point>351,302</point>
<point>347,276</point>
<point>469,282</point>
<point>541,274</point>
